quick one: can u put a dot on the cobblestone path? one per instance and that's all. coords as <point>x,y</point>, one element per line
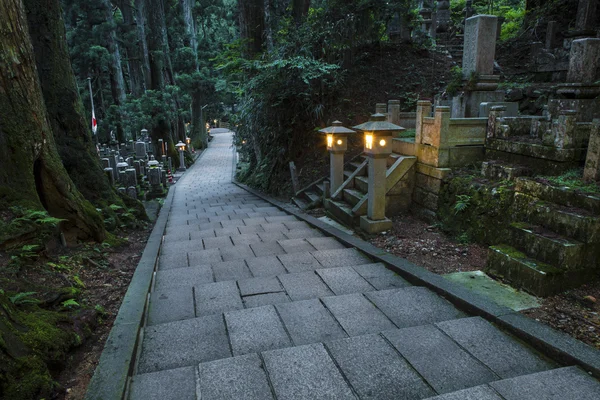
<point>250,303</point>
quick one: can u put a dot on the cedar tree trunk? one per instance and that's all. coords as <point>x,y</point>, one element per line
<point>31,172</point>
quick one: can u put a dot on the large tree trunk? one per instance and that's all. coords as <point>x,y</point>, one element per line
<point>65,109</point>
<point>158,51</point>
<point>300,10</point>
<point>140,18</point>
<point>134,53</point>
<point>117,82</point>
<point>252,25</point>
<point>31,172</point>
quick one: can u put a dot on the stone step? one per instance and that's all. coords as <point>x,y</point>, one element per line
<point>312,197</point>
<point>570,222</point>
<point>299,351</point>
<point>355,165</point>
<point>547,246</point>
<point>524,272</point>
<point>560,195</point>
<point>501,170</point>
<point>361,183</point>
<point>322,318</point>
<point>319,188</point>
<point>341,211</point>
<point>303,278</point>
<point>301,204</point>
<point>352,197</point>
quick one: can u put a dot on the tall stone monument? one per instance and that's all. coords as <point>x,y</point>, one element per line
<point>586,17</point>
<point>480,83</point>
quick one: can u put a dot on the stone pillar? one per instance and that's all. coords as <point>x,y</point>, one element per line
<point>551,33</point>
<point>336,169</point>
<point>136,166</point>
<point>112,162</point>
<point>586,15</point>
<point>493,127</point>
<point>469,10</point>
<point>592,162</point>
<point>443,15</point>
<point>140,150</point>
<point>377,188</point>
<point>442,123</point>
<point>479,45</point>
<point>170,160</point>
<point>393,112</point>
<point>130,177</point>
<point>121,175</point>
<point>381,108</point>
<point>105,163</point>
<point>154,179</point>
<point>181,161</point>
<point>584,60</point>
<point>564,129</point>
<point>424,108</point>
<point>129,161</point>
<point>110,176</point>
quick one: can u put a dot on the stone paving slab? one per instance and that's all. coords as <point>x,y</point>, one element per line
<point>325,243</point>
<point>340,258</point>
<point>376,371</point>
<point>265,299</point>
<point>344,280</point>
<point>203,257</point>
<point>305,373</point>
<point>174,260</point>
<point>171,305</point>
<point>569,383</point>
<point>303,233</point>
<point>380,277</point>
<point>502,354</point>
<point>444,364</point>
<point>216,298</point>
<point>231,271</point>
<point>483,392</point>
<point>170,384</point>
<point>296,245</point>
<point>183,343</point>
<point>304,286</point>
<point>299,262</point>
<point>413,306</point>
<point>217,242</point>
<point>265,266</point>
<point>255,286</point>
<point>309,322</point>
<point>182,277</point>
<point>255,329</point>
<point>236,252</point>
<point>357,315</point>
<point>267,249</point>
<point>241,377</point>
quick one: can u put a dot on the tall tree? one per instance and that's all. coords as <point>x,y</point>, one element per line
<point>300,9</point>
<point>31,172</point>
<point>133,48</point>
<point>117,81</point>
<point>252,24</point>
<point>65,109</point>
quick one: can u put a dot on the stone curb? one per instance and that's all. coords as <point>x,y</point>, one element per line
<point>559,346</point>
<point>110,376</point>
<point>117,361</point>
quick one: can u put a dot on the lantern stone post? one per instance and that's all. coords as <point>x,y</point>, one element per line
<point>378,147</point>
<point>181,147</point>
<point>337,144</point>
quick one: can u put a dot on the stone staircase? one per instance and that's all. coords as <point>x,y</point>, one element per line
<point>350,201</point>
<point>451,44</point>
<point>556,243</point>
<point>311,319</point>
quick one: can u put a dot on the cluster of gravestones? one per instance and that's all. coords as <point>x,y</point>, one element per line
<point>133,169</point>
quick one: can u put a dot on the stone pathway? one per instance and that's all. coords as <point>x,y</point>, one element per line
<point>250,303</point>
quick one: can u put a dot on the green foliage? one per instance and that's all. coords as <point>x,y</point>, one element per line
<point>23,298</point>
<point>573,179</point>
<point>456,81</point>
<point>462,203</point>
<point>70,304</point>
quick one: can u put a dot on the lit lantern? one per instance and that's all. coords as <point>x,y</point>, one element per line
<point>337,136</point>
<point>378,135</point>
<point>337,143</point>
<point>188,140</point>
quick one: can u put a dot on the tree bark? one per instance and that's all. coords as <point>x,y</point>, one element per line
<point>31,172</point>
<point>117,82</point>
<point>252,25</point>
<point>140,18</point>
<point>65,108</point>
<point>134,54</point>
<point>300,10</point>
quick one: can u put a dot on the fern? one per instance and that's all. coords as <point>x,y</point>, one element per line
<point>462,203</point>
<point>23,298</point>
<point>70,303</point>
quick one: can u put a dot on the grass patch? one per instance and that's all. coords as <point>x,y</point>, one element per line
<point>573,179</point>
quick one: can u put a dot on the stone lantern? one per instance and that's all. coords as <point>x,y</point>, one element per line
<point>188,141</point>
<point>378,147</point>
<point>181,147</point>
<point>337,144</point>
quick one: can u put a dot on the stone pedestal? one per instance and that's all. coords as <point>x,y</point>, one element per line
<point>592,162</point>
<point>336,169</point>
<point>584,61</point>
<point>132,192</point>
<point>181,162</point>
<point>140,150</point>
<point>586,16</point>
<point>381,108</point>
<point>130,177</point>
